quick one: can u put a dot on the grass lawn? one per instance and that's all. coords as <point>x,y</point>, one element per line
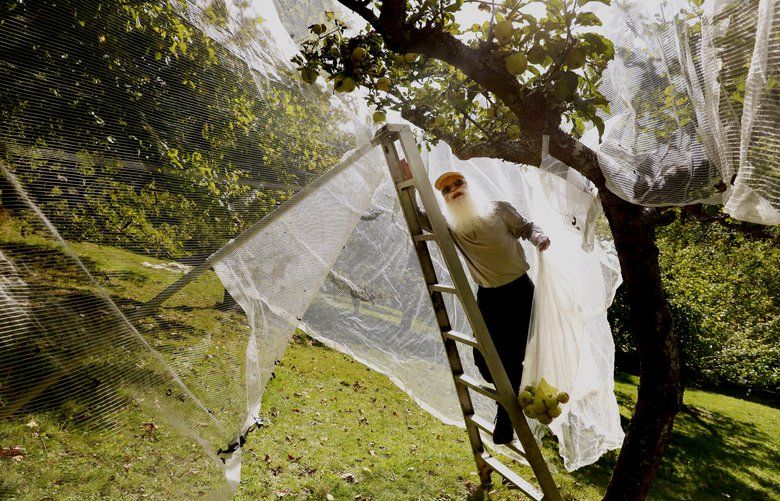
<point>331,426</point>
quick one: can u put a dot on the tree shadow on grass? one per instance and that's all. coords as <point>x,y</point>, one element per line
<point>66,350</point>
<point>707,454</point>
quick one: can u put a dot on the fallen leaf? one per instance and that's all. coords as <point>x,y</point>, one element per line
<point>348,477</point>
<point>16,452</point>
<point>329,497</point>
<point>32,424</point>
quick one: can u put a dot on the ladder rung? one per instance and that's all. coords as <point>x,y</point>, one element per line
<point>424,236</point>
<point>444,288</point>
<point>481,423</point>
<point>406,184</point>
<point>485,389</point>
<point>461,338</point>
<point>484,425</point>
<point>521,483</point>
<point>515,447</point>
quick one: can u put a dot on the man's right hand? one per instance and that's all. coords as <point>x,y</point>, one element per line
<point>406,169</point>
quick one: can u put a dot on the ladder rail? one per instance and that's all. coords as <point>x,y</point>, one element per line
<point>408,207</point>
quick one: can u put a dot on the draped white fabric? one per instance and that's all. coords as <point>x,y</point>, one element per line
<point>373,303</point>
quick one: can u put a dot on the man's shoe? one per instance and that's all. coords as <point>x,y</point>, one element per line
<point>503,433</point>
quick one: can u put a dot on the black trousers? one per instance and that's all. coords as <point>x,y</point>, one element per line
<point>507,313</point>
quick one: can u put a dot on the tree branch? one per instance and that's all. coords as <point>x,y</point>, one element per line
<point>523,151</point>
<point>361,9</point>
<point>486,67</point>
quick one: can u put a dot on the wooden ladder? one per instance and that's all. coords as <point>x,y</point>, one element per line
<point>502,391</point>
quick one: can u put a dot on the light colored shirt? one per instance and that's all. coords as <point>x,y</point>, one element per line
<point>491,249</point>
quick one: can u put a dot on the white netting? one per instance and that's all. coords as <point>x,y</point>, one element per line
<point>693,100</point>
<point>135,134</point>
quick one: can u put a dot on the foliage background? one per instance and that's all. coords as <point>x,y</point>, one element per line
<point>723,284</point>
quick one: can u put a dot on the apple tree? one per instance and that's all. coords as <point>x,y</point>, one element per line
<point>494,90</point>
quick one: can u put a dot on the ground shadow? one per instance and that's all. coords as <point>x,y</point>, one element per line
<point>707,453</point>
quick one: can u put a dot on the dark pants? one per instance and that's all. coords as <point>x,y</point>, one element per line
<point>507,313</point>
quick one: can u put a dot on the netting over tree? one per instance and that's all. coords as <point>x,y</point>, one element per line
<point>133,135</point>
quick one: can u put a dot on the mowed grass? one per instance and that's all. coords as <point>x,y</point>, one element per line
<point>134,452</point>
<point>331,425</point>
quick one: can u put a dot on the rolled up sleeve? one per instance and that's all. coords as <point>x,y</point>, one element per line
<point>517,225</point>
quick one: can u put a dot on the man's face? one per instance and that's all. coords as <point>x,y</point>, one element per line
<point>455,188</point>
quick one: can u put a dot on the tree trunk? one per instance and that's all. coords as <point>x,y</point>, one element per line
<point>660,391</point>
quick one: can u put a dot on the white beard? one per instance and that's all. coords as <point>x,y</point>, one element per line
<point>466,212</point>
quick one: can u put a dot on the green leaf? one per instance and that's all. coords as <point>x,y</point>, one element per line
<point>580,3</point>
<point>599,123</point>
<point>579,126</point>
<point>599,44</point>
<point>587,19</point>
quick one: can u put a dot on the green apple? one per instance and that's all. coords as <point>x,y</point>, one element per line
<point>566,86</point>
<point>544,418</point>
<point>503,31</point>
<point>563,397</point>
<point>516,63</point>
<point>530,388</point>
<point>536,54</point>
<point>554,412</point>
<point>530,412</point>
<point>319,29</point>
<point>383,84</point>
<point>334,51</point>
<point>309,75</point>
<point>344,84</point>
<point>575,58</point>
<point>410,57</point>
<point>525,397</point>
<point>359,54</point>
<point>551,401</point>
<point>379,117</point>
<point>513,132</point>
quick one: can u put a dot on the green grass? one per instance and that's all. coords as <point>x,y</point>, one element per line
<point>329,420</point>
<point>331,426</point>
<point>65,457</point>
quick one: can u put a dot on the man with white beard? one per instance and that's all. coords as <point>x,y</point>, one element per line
<point>487,235</point>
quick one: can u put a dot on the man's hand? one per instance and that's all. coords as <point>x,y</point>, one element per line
<point>407,171</point>
<point>542,242</point>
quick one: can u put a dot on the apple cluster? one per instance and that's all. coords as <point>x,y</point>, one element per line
<point>542,402</point>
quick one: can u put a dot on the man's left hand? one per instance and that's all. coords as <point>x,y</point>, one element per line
<point>542,243</point>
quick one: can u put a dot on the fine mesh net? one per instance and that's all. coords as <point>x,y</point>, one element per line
<point>139,138</point>
<point>136,140</point>
<point>693,106</point>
